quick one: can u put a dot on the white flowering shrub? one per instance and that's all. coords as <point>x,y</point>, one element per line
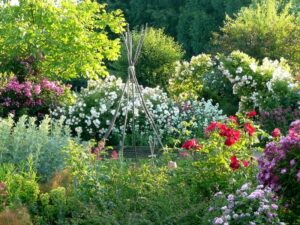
<point>236,79</point>
<point>187,81</point>
<point>248,205</point>
<point>95,106</point>
<point>266,86</point>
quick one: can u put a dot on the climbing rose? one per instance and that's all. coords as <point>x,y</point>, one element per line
<point>249,128</point>
<point>234,163</point>
<point>276,132</point>
<point>212,126</point>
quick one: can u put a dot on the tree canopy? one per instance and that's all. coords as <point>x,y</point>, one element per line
<point>268,28</point>
<point>67,39</point>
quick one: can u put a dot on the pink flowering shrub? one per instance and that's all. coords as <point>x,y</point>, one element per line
<point>280,167</point>
<point>31,98</point>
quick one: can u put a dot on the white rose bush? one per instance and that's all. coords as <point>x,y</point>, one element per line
<point>95,106</point>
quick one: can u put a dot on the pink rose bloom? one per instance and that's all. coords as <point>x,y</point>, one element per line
<point>114,154</point>
<point>37,89</point>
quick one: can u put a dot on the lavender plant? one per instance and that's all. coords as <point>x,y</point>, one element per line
<point>280,167</point>
<point>248,205</point>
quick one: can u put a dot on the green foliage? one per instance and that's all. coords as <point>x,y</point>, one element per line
<point>69,39</point>
<point>265,29</point>
<point>52,206</point>
<point>187,81</point>
<point>21,187</point>
<point>191,22</point>
<point>95,106</point>
<point>156,63</point>
<point>23,139</point>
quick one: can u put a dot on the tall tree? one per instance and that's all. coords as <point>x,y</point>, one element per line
<point>191,22</point>
<point>61,36</point>
<point>268,28</point>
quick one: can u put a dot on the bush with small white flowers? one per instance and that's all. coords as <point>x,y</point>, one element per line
<point>234,78</point>
<point>91,116</point>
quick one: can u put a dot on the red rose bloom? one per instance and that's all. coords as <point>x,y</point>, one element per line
<point>191,144</point>
<point>276,132</point>
<point>212,126</point>
<point>245,163</point>
<point>224,130</point>
<point>234,163</point>
<point>232,136</point>
<point>249,128</point>
<point>251,114</point>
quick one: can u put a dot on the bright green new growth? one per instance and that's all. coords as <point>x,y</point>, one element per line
<point>70,39</point>
<point>156,63</point>
<point>265,29</point>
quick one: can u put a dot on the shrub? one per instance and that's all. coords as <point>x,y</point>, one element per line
<point>278,118</point>
<point>156,63</point>
<point>239,79</point>
<point>67,39</point>
<point>266,86</point>
<point>187,81</point>
<point>264,29</point>
<point>96,105</point>
<point>18,187</point>
<point>32,98</point>
<point>279,167</point>
<point>23,139</point>
<point>248,205</point>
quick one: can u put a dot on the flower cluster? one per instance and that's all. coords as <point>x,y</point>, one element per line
<point>235,163</point>
<point>237,76</point>
<point>280,165</point>
<point>231,144</point>
<point>247,206</point>
<point>187,80</point>
<point>278,118</point>
<point>38,96</point>
<point>95,106</point>
<point>256,84</point>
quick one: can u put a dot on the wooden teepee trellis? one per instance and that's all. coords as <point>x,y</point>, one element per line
<point>132,86</point>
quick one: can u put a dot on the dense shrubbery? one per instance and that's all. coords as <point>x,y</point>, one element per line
<point>210,168</point>
<point>238,79</point>
<point>96,105</point>
<point>156,63</point>
<point>43,143</point>
<point>32,98</point>
<point>61,36</point>
<point>265,29</point>
<point>280,167</point>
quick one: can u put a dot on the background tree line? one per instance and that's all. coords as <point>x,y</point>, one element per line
<point>190,22</point>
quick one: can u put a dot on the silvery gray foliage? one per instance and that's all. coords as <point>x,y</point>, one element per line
<point>44,143</point>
